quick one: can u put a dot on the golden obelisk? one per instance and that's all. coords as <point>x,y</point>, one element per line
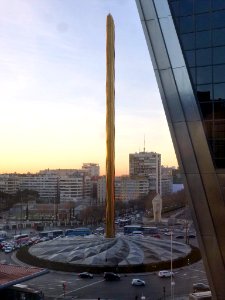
<point>110,127</point>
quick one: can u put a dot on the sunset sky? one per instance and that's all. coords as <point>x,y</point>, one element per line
<point>52,79</point>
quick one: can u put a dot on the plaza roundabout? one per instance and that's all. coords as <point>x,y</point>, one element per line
<point>125,253</point>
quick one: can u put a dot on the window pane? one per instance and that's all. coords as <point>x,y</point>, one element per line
<point>186,24</point>
<point>186,8</point>
<point>206,109</point>
<point>188,41</point>
<point>219,73</point>
<point>219,148</point>
<point>208,127</point>
<point>203,39</point>
<point>204,92</point>
<point>203,22</point>
<point>218,19</point>
<point>219,37</point>
<point>190,57</point>
<point>204,57</point>
<point>202,6</point>
<point>219,55</point>
<point>217,4</point>
<point>219,91</point>
<point>175,7</point>
<point>193,74</point>
<point>219,129</point>
<point>204,75</point>
<point>219,109</point>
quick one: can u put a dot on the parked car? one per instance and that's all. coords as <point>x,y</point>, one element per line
<point>138,282</point>
<point>165,273</point>
<point>85,275</point>
<point>200,287</point>
<point>110,276</point>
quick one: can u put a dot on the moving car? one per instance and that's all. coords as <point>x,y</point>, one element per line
<point>110,276</point>
<point>85,275</point>
<point>138,282</point>
<point>179,237</point>
<point>200,287</point>
<point>165,273</point>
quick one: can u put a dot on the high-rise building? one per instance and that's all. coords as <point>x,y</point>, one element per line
<point>186,41</point>
<point>147,164</point>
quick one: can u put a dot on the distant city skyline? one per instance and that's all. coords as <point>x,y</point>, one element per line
<point>53,86</point>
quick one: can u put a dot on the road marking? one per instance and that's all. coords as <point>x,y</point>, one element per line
<point>80,288</point>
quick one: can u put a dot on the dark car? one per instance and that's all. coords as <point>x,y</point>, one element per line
<point>192,236</point>
<point>179,236</point>
<point>85,275</point>
<point>110,276</point>
<point>200,287</point>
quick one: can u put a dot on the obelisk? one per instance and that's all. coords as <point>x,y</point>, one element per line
<point>110,127</point>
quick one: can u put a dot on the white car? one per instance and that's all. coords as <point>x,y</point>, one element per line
<point>8,249</point>
<point>165,273</point>
<point>138,282</point>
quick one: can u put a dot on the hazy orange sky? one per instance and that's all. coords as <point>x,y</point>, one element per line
<point>52,92</point>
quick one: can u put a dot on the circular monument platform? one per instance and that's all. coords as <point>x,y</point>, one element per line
<point>101,252</point>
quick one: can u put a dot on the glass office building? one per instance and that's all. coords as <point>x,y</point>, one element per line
<point>186,41</point>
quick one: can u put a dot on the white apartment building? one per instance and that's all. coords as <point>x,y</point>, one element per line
<point>148,165</point>
<point>71,188</point>
<point>93,170</point>
<point>9,183</point>
<point>166,180</point>
<point>126,188</point>
<point>54,185</point>
<point>46,184</point>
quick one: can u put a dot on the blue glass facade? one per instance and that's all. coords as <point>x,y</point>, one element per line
<point>186,39</point>
<point>200,26</point>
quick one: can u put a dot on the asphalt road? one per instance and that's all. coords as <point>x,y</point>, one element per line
<point>52,284</point>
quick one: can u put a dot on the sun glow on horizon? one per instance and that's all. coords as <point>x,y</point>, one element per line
<point>53,87</point>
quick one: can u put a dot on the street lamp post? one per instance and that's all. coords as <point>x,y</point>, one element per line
<point>172,283</point>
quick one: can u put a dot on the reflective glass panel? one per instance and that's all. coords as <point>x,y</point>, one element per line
<point>190,57</point>
<point>219,109</point>
<point>188,41</point>
<point>204,92</point>
<point>218,129</point>
<point>203,39</point>
<point>186,24</point>
<point>204,57</point>
<point>219,55</point>
<point>202,6</point>
<point>204,75</point>
<point>207,110</point>
<point>219,73</point>
<point>193,74</point>
<point>203,22</point>
<point>186,7</point>
<point>219,91</point>
<point>218,19</point>
<point>208,126</point>
<point>218,37</point>
<point>175,7</point>
<point>218,4</point>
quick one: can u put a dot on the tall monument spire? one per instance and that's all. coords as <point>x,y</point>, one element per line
<point>110,127</point>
